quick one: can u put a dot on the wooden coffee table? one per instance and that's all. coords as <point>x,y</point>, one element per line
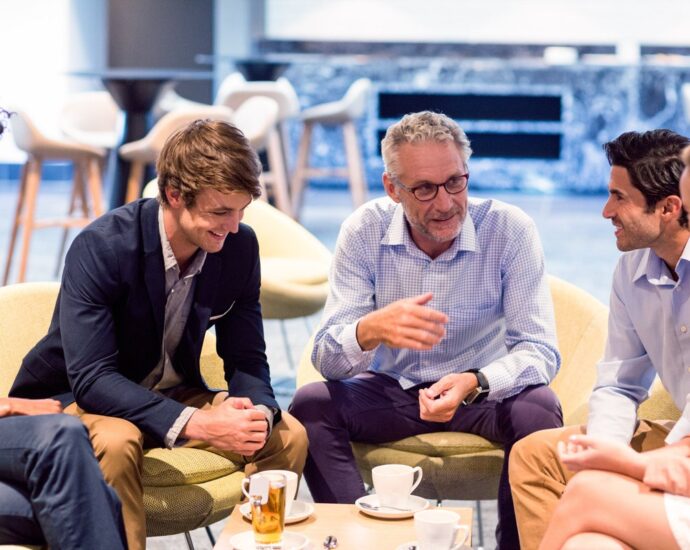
<point>354,530</point>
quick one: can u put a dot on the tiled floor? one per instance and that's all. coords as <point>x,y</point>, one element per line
<point>578,244</point>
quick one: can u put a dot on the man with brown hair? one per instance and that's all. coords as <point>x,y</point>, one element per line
<point>141,286</point>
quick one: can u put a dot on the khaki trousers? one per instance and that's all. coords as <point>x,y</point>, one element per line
<point>538,478</point>
<point>119,447</point>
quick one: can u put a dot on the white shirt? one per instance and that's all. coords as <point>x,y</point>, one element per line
<point>649,334</point>
<point>491,283</point>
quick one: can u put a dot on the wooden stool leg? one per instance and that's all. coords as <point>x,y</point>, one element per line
<point>136,175</point>
<point>274,151</point>
<point>95,186</point>
<point>355,166</point>
<point>299,175</point>
<point>74,195</point>
<point>17,220</point>
<point>33,182</point>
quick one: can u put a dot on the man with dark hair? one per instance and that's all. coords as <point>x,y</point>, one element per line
<point>48,471</point>
<point>141,286</point>
<point>648,325</point>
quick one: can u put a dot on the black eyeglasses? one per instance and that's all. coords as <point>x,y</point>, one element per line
<point>427,191</point>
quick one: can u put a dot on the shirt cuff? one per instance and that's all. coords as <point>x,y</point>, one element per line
<point>174,431</point>
<point>270,415</point>
<point>681,428</point>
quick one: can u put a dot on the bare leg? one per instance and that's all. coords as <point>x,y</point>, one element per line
<point>619,507</point>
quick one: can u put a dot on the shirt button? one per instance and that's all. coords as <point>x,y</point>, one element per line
<point>683,329</point>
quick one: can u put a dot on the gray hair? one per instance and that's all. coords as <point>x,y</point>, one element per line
<point>422,127</point>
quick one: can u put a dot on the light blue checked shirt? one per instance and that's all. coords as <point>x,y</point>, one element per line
<point>491,283</point>
<point>649,334</point>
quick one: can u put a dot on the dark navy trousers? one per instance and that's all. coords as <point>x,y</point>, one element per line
<point>373,408</point>
<point>51,488</point>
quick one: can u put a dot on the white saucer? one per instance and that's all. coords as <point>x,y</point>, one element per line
<point>299,512</point>
<point>414,503</point>
<point>291,541</point>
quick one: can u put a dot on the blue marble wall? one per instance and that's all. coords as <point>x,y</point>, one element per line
<point>600,99</point>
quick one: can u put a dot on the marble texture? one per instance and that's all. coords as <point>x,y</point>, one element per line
<point>600,99</point>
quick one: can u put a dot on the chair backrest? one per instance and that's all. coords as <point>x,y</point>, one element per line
<point>234,91</point>
<point>25,313</point>
<point>581,329</point>
<point>26,134</point>
<point>91,117</point>
<point>356,97</point>
<point>256,117</point>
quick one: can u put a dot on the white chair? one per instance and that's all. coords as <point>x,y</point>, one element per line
<point>145,150</point>
<point>258,118</point>
<point>169,100</point>
<point>341,113</point>
<point>234,91</point>
<point>86,194</point>
<point>91,118</point>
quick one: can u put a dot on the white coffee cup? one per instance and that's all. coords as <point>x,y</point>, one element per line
<point>393,483</point>
<point>438,530</point>
<point>290,488</point>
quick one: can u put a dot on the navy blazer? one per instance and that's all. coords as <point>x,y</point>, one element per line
<point>107,328</point>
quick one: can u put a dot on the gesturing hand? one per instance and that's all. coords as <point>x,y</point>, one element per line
<point>16,406</point>
<point>234,425</point>
<point>408,323</point>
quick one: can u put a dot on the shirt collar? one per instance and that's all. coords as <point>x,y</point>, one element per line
<point>398,233</point>
<point>655,270</point>
<point>169,260</point>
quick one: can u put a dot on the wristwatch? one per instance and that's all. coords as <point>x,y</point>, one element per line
<point>478,394</point>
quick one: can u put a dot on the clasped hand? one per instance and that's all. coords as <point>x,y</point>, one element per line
<point>233,425</point>
<point>438,402</point>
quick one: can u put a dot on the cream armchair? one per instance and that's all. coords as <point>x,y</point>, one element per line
<point>463,466</point>
<point>183,488</point>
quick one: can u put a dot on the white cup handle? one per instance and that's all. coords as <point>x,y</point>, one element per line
<point>245,487</point>
<point>463,531</point>
<point>417,470</point>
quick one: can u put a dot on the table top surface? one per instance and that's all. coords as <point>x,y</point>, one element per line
<point>353,529</point>
<point>142,73</point>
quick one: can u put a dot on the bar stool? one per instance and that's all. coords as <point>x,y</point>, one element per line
<point>233,92</point>
<point>145,150</point>
<point>341,113</point>
<point>258,118</point>
<point>91,118</point>
<point>86,193</point>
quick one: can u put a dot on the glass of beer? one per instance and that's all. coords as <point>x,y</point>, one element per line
<point>267,500</point>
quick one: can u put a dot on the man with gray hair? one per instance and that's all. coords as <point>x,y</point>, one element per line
<point>439,318</point>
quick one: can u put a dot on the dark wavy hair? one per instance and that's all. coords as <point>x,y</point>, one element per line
<point>653,162</point>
